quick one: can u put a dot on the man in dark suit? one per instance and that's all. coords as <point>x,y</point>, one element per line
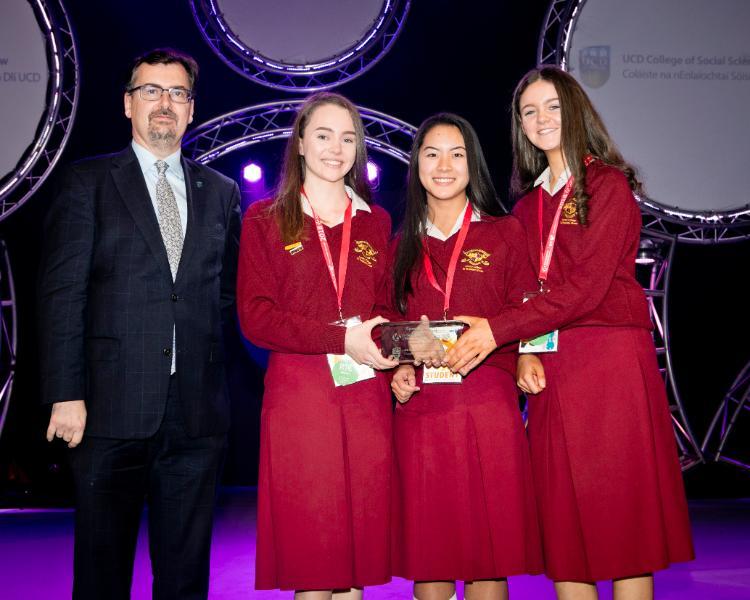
<point>136,285</point>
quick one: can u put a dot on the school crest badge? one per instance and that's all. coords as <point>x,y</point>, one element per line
<point>367,255</point>
<point>593,62</point>
<point>475,260</point>
<point>569,213</point>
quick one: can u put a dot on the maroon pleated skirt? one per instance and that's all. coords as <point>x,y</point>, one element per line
<point>608,482</point>
<point>324,479</point>
<point>463,493</point>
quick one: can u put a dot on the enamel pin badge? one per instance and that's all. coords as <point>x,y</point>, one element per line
<point>294,248</point>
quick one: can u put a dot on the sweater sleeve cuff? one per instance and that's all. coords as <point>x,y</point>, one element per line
<point>496,324</point>
<point>334,337</point>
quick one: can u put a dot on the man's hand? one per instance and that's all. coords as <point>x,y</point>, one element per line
<point>404,383</point>
<point>68,421</point>
<point>359,345</point>
<point>530,374</point>
<point>472,347</point>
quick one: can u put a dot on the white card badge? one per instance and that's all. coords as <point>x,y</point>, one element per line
<point>440,375</point>
<point>447,336</point>
<point>344,369</point>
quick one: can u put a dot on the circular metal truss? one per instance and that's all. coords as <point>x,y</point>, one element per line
<point>658,252</point>
<point>8,334</point>
<point>351,63</point>
<point>661,230</point>
<point>62,102</point>
<point>726,422</point>
<point>694,227</point>
<point>273,120</point>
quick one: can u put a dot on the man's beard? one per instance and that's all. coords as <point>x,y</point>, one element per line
<point>162,135</point>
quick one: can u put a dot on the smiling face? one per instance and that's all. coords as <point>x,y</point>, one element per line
<point>328,144</point>
<point>443,167</point>
<point>541,119</point>
<point>159,125</point>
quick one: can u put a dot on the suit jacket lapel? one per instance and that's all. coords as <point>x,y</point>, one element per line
<point>195,190</point>
<point>131,185</point>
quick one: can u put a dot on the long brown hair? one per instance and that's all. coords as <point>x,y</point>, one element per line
<point>286,206</point>
<point>480,192</point>
<point>583,133</point>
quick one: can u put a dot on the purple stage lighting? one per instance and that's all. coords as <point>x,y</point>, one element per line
<point>373,171</point>
<point>252,173</point>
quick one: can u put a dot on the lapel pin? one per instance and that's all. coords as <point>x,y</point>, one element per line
<point>294,248</point>
<point>199,184</point>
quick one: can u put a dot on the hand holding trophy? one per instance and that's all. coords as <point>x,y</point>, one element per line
<point>420,342</point>
<point>424,346</point>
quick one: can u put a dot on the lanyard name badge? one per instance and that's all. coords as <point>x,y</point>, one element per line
<point>547,342</point>
<point>446,336</point>
<point>344,369</point>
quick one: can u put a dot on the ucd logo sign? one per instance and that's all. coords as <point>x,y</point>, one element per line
<point>593,62</point>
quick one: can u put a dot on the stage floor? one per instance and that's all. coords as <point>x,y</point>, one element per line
<point>36,548</point>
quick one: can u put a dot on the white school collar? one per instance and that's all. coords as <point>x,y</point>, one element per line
<point>434,232</point>
<point>543,180</point>
<point>357,204</point>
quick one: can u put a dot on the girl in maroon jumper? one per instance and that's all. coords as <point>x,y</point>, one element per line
<point>463,505</point>
<point>325,456</point>
<point>608,482</point>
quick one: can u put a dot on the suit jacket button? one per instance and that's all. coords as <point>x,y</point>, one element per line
<point>174,297</point>
<point>167,351</point>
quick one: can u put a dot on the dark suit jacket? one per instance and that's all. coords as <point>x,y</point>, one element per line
<point>108,303</point>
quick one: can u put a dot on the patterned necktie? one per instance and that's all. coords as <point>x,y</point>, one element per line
<point>169,217</point>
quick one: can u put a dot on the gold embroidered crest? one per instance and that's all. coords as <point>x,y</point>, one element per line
<point>475,259</point>
<point>366,252</point>
<point>569,213</point>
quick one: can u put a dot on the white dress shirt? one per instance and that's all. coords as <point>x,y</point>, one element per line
<point>176,178</point>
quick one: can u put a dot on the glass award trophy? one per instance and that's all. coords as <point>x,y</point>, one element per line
<point>409,341</point>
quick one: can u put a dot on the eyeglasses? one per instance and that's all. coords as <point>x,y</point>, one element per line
<point>151,93</point>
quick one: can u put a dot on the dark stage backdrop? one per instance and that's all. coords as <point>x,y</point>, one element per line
<point>458,56</point>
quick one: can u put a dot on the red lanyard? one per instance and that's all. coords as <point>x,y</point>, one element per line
<point>346,235</point>
<point>451,265</point>
<point>546,250</point>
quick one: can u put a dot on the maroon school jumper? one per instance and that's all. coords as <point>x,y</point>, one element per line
<point>325,453</point>
<point>463,491</point>
<point>608,482</point>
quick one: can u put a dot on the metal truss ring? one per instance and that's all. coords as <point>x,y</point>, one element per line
<point>273,120</point>
<point>62,102</point>
<point>8,333</point>
<point>554,43</point>
<point>733,406</point>
<point>657,293</point>
<point>692,227</point>
<point>350,63</point>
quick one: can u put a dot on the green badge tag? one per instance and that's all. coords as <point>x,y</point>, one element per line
<point>543,343</point>
<point>345,371</point>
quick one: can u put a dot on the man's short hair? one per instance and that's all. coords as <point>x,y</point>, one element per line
<point>166,56</point>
